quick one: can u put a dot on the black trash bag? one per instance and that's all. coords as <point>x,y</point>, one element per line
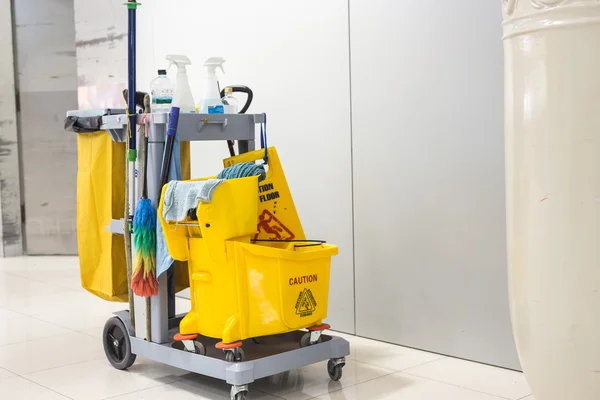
<point>89,124</point>
<point>83,124</point>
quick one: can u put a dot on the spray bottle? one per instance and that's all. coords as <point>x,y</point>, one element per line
<point>211,97</point>
<point>183,94</point>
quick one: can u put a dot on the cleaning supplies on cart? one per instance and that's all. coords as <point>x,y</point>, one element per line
<point>183,93</point>
<point>238,89</point>
<point>211,98</point>
<point>180,197</point>
<point>230,103</point>
<point>162,90</point>
<point>230,100</point>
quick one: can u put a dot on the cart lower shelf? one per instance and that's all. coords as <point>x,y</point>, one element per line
<point>262,356</point>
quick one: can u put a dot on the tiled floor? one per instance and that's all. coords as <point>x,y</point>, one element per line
<point>45,354</point>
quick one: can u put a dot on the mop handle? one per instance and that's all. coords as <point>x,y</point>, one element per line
<point>173,121</point>
<point>168,153</point>
<point>132,6</point>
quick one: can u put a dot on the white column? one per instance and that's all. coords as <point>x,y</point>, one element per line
<point>552,53</point>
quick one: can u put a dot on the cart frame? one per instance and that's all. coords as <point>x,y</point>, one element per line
<point>263,356</point>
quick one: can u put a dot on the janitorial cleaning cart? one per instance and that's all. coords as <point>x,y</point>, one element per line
<point>258,287</point>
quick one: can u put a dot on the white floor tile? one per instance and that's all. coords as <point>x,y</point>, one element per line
<point>15,289</point>
<point>5,314</point>
<point>6,374</point>
<point>22,328</point>
<point>185,293</point>
<point>95,380</point>
<point>314,380</point>
<point>75,310</point>
<point>401,386</point>
<point>18,264</point>
<point>483,378</point>
<point>95,331</point>
<point>56,351</point>
<point>192,387</point>
<point>43,299</point>
<point>80,319</point>
<point>182,305</point>
<point>389,356</point>
<point>53,275</point>
<point>17,388</point>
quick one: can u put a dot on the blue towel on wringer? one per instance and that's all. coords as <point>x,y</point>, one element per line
<point>180,197</point>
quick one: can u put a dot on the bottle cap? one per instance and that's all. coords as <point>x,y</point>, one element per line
<point>162,71</point>
<point>228,90</point>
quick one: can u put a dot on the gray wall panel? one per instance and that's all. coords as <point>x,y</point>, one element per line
<point>11,239</point>
<point>427,85</point>
<point>47,84</point>
<point>50,173</point>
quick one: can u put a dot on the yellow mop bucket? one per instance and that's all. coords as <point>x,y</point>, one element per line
<point>240,288</point>
<point>260,290</point>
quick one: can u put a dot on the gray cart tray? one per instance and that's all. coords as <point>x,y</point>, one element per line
<point>192,127</point>
<point>268,356</point>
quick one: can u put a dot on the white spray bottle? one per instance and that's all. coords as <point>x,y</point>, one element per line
<point>211,97</point>
<point>183,93</point>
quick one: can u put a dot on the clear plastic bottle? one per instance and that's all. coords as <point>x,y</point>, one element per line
<point>161,90</point>
<point>211,96</point>
<point>230,103</point>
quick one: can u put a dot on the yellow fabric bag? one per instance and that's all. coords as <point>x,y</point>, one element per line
<point>277,215</point>
<point>100,198</point>
<point>100,194</point>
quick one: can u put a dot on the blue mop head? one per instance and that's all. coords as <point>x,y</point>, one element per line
<point>244,170</point>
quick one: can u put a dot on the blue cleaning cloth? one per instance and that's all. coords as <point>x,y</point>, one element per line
<point>163,258</point>
<point>180,197</point>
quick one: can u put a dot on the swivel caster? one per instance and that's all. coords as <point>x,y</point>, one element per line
<point>314,335</point>
<point>190,344</point>
<point>334,368</point>
<point>233,351</point>
<point>239,392</point>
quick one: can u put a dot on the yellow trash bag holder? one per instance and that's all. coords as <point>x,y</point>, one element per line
<point>242,288</point>
<point>100,199</point>
<point>100,194</point>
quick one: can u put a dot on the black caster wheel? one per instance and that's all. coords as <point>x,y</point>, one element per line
<point>236,355</point>
<point>117,345</point>
<point>335,371</point>
<point>305,341</point>
<point>200,349</point>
